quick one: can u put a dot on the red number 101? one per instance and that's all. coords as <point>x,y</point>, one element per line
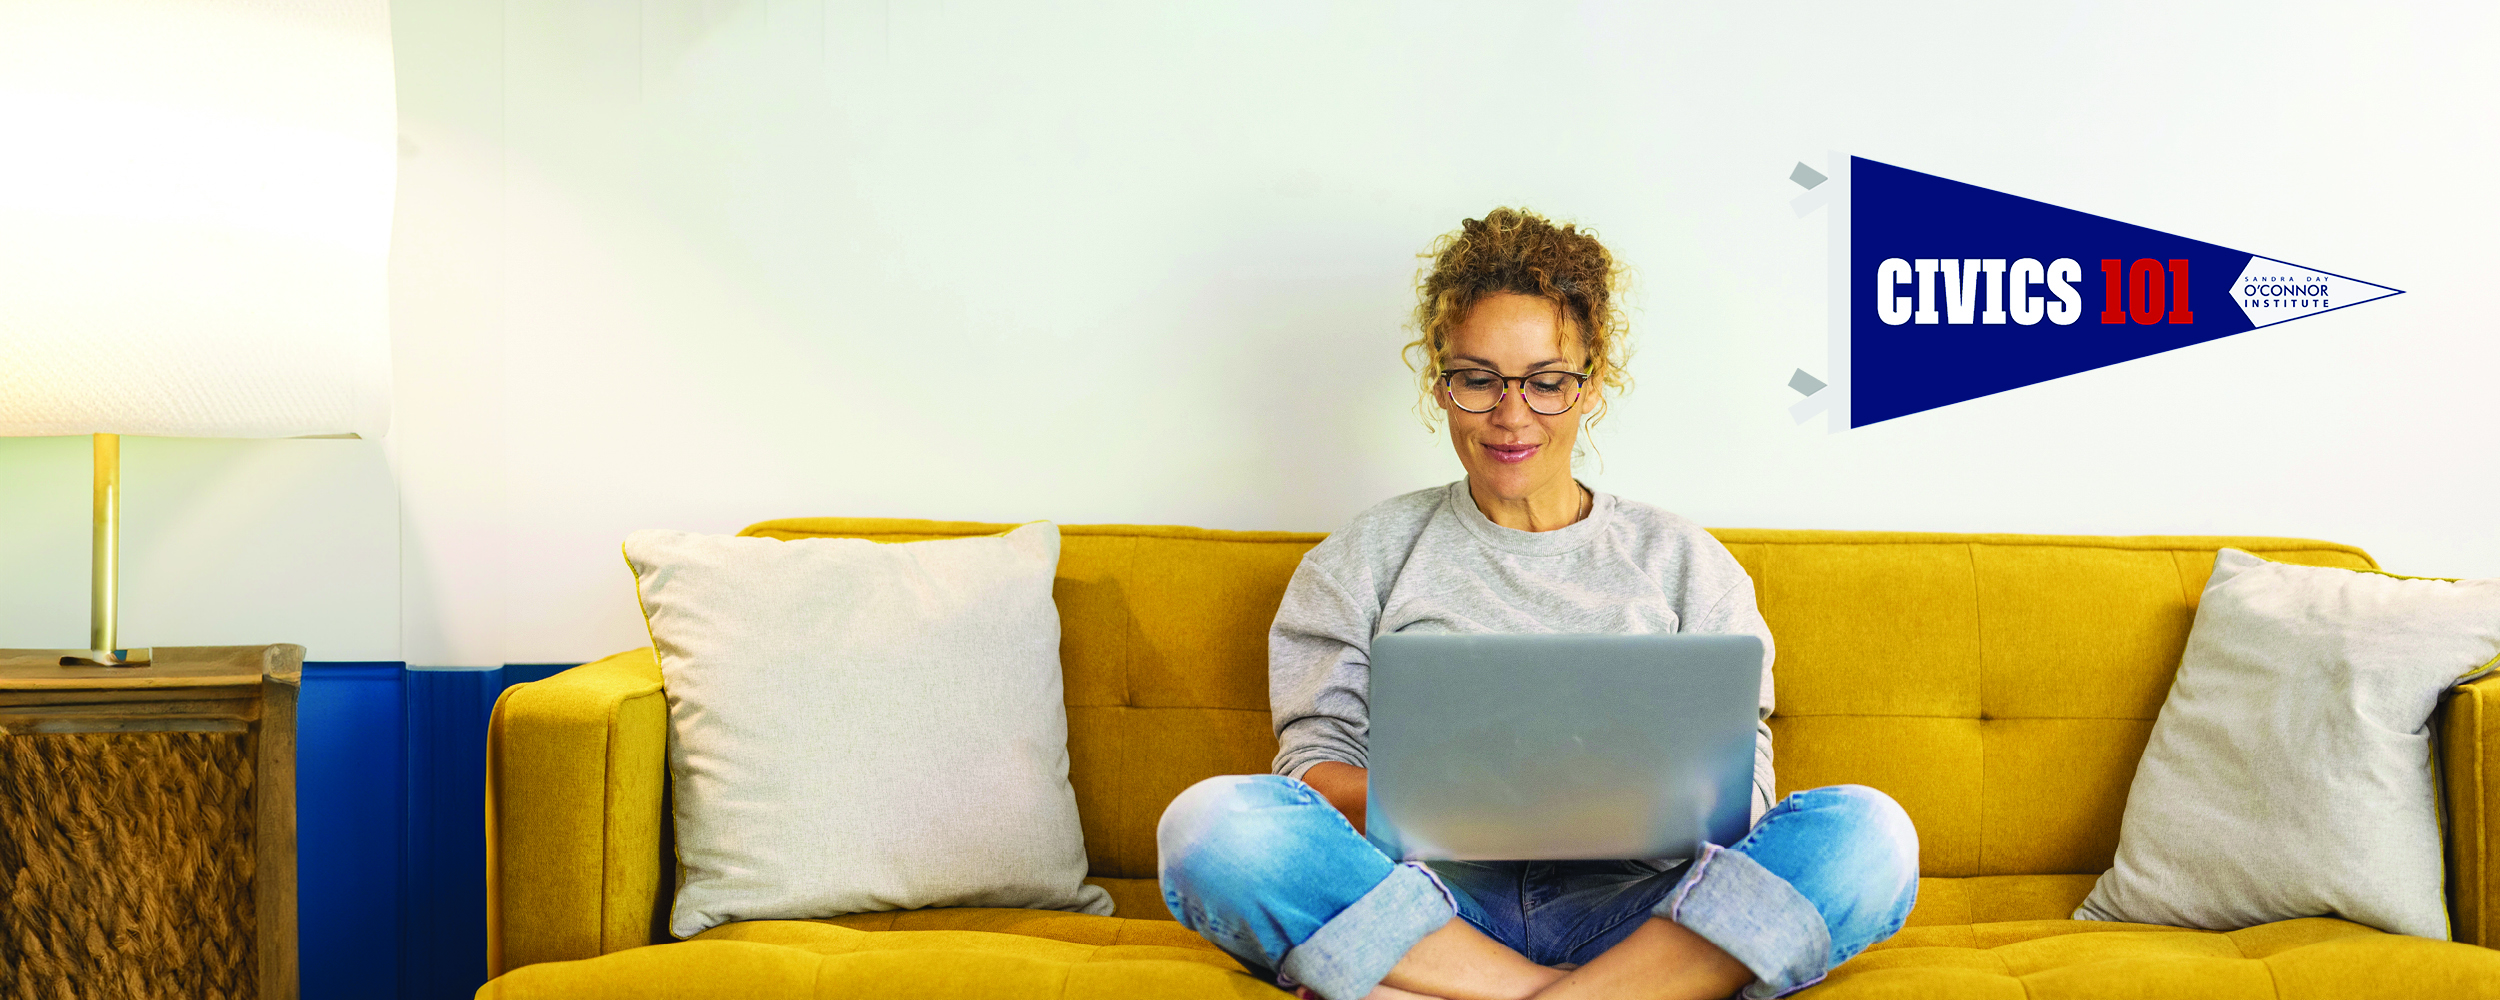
<point>2144,294</point>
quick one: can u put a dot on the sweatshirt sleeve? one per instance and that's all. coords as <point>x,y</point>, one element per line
<point>1319,672</point>
<point>1736,613</point>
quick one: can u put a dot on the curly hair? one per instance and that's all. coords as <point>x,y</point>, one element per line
<point>1519,252</point>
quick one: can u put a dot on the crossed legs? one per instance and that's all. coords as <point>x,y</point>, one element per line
<point>1263,867</point>
<point>1660,959</point>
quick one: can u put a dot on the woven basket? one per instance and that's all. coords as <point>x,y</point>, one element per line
<point>126,867</point>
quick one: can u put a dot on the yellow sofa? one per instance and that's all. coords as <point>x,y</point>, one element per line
<point>2000,686</point>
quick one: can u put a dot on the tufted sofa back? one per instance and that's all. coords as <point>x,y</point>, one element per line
<point>2000,686</point>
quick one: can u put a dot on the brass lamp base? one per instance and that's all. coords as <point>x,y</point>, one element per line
<point>108,658</point>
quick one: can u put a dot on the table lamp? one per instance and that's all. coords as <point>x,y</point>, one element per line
<point>194,215</point>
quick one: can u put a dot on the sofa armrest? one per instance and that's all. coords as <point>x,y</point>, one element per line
<point>2469,767</point>
<point>576,769</point>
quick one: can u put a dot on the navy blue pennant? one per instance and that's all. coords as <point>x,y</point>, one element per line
<point>1957,291</point>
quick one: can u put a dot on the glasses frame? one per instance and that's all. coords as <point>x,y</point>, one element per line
<point>1579,388</point>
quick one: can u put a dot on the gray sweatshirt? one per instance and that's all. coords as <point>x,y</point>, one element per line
<point>1431,561</point>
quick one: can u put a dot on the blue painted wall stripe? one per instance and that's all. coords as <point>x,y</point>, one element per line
<point>391,846</point>
<point>444,941</point>
<point>350,767</point>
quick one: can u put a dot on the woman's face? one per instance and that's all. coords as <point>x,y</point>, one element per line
<point>1513,452</point>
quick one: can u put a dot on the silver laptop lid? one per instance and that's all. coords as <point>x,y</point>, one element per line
<point>1554,747</point>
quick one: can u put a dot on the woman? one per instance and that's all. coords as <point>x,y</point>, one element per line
<point>1520,342</point>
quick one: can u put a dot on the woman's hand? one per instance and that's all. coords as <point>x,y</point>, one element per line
<point>1343,785</point>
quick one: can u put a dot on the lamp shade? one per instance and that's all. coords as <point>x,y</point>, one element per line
<point>195,207</point>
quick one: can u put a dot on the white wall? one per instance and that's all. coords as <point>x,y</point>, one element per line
<point>699,264</point>
<point>224,542</point>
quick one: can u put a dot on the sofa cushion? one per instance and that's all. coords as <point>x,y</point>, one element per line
<point>806,960</point>
<point>1073,928</point>
<point>1164,648</point>
<point>2290,771</point>
<point>858,727</point>
<point>1022,953</point>
<point>2318,957</point>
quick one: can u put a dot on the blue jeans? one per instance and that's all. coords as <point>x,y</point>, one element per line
<point>1265,869</point>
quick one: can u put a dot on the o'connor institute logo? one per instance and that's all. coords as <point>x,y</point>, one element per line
<point>1944,291</point>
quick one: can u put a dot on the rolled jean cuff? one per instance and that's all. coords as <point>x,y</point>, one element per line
<point>1349,954</point>
<point>1756,917</point>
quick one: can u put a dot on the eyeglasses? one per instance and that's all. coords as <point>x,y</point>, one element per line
<point>1478,390</point>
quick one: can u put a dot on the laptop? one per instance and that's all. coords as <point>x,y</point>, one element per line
<point>1560,747</point>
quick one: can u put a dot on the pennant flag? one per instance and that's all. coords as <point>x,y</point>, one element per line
<point>1955,292</point>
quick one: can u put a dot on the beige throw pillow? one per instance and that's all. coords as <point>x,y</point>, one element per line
<point>2289,774</point>
<point>858,727</point>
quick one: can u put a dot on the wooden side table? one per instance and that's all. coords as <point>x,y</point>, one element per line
<point>133,800</point>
